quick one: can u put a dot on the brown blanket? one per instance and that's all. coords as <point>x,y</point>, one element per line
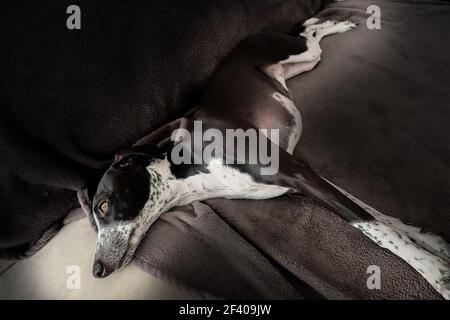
<point>374,114</point>
<point>375,123</point>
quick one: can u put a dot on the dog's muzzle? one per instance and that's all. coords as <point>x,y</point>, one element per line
<point>114,249</point>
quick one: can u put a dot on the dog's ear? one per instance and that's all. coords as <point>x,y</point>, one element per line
<point>85,200</point>
<point>86,194</point>
<point>147,151</point>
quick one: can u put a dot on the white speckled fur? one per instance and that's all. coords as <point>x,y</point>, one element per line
<point>222,181</point>
<point>226,182</point>
<point>167,192</point>
<point>433,268</point>
<point>431,242</point>
<point>428,254</point>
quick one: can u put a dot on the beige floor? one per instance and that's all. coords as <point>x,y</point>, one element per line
<point>45,275</point>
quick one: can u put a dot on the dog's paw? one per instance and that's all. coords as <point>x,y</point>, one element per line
<point>310,22</point>
<point>320,30</point>
<point>344,26</point>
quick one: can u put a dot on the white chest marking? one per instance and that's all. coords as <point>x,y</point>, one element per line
<point>162,167</point>
<point>222,182</point>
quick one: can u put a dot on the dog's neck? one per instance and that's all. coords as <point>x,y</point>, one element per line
<point>166,191</point>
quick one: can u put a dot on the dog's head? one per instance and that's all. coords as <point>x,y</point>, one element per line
<point>118,208</point>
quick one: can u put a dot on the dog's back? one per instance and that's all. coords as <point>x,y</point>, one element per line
<point>249,86</point>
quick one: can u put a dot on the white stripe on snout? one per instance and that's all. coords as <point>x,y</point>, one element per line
<point>222,181</point>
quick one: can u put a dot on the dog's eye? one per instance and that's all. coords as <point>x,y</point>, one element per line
<point>124,163</point>
<point>103,208</point>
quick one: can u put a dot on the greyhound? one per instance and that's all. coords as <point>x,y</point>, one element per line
<point>247,91</point>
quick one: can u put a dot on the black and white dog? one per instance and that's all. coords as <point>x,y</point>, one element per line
<point>247,91</point>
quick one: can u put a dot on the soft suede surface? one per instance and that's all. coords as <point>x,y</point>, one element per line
<point>374,114</point>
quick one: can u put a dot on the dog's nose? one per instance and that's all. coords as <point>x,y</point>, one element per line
<point>99,270</point>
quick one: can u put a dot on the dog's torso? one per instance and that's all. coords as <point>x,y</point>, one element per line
<point>249,88</point>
